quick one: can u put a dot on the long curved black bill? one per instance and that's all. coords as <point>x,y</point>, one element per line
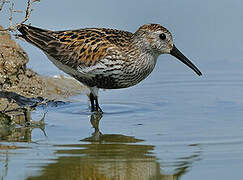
<point>175,52</point>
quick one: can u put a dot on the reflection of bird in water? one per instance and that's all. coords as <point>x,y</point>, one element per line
<point>105,58</point>
<point>95,120</point>
<point>97,136</point>
<point>110,157</point>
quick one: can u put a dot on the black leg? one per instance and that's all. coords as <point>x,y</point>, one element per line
<point>92,99</point>
<point>97,106</point>
<point>94,103</point>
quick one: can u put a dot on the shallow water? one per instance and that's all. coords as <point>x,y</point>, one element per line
<point>173,125</point>
<point>176,127</point>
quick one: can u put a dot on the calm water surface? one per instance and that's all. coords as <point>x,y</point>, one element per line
<point>171,126</point>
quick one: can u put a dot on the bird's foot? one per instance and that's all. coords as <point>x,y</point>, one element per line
<point>96,109</point>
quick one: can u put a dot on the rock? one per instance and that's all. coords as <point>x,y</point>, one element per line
<point>14,76</point>
<point>17,78</point>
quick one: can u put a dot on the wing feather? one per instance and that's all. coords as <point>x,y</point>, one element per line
<point>77,49</point>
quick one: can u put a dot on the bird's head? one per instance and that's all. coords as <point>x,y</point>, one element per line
<point>158,40</point>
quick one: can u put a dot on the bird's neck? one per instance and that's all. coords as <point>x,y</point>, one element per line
<point>142,53</point>
<point>140,60</point>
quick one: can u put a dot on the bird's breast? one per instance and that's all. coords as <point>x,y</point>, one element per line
<point>111,74</point>
<point>124,74</point>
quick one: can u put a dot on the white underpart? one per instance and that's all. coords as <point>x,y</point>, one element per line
<point>112,67</point>
<point>63,67</point>
<point>87,72</point>
<point>92,70</point>
<point>81,71</point>
<point>94,91</point>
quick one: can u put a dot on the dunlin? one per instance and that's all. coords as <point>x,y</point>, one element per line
<point>105,58</point>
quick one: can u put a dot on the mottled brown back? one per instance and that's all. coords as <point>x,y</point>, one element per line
<point>82,47</point>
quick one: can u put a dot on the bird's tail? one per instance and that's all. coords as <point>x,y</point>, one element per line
<point>38,37</point>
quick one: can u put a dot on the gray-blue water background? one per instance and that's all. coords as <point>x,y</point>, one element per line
<point>190,125</point>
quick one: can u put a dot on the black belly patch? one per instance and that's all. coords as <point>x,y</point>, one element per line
<point>103,82</point>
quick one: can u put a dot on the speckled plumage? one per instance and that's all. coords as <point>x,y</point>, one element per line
<point>103,58</point>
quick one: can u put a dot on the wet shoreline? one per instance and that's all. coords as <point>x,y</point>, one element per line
<point>22,89</point>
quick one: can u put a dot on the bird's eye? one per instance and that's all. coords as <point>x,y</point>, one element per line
<point>162,36</point>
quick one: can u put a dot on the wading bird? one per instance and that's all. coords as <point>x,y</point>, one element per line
<point>105,58</point>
